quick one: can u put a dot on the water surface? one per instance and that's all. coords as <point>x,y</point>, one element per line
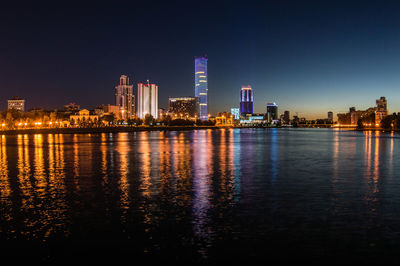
<point>203,195</point>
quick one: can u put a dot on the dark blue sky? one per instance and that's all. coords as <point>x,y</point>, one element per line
<point>308,56</point>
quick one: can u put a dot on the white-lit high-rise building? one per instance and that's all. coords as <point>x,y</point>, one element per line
<point>125,98</point>
<point>147,100</point>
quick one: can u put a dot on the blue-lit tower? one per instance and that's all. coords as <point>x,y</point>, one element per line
<point>201,85</point>
<point>246,100</point>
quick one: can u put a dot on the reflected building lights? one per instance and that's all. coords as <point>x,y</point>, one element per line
<point>372,173</point>
<point>237,159</point>
<point>376,159</point>
<point>165,170</point>
<point>391,153</point>
<point>145,164</point>
<point>368,153</point>
<point>75,147</point>
<point>274,156</point>
<point>23,165</point>
<point>39,166</point>
<point>5,189</point>
<point>226,167</point>
<point>104,162</point>
<point>202,162</point>
<point>183,165</point>
<point>56,185</point>
<point>122,149</point>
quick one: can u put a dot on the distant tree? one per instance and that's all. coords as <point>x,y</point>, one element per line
<point>138,121</point>
<point>53,116</point>
<point>205,122</point>
<point>181,122</point>
<point>148,120</point>
<point>9,120</point>
<point>360,124</point>
<point>166,120</point>
<point>130,121</point>
<point>388,121</point>
<point>109,118</point>
<point>396,121</point>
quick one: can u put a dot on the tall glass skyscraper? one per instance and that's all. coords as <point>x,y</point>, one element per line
<point>246,100</point>
<point>201,85</point>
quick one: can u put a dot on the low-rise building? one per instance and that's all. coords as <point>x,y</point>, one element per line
<point>253,119</point>
<point>236,113</point>
<point>113,109</point>
<point>184,106</point>
<point>16,103</point>
<point>224,120</point>
<point>83,116</point>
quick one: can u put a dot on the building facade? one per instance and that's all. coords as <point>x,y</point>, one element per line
<point>201,85</point>
<point>272,112</point>
<point>125,98</point>
<point>236,113</point>
<point>72,108</point>
<point>246,100</point>
<point>381,109</point>
<point>369,117</point>
<point>83,116</point>
<point>147,100</point>
<point>330,117</point>
<point>252,119</point>
<point>113,109</point>
<point>224,120</point>
<point>184,106</point>
<point>16,103</point>
<point>286,118</point>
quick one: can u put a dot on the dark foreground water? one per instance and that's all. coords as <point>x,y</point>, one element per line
<point>201,196</point>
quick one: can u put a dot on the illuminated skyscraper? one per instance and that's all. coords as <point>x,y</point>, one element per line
<point>147,100</point>
<point>125,98</point>
<point>201,85</point>
<point>246,100</point>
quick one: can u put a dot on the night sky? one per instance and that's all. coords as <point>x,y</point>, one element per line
<point>308,56</point>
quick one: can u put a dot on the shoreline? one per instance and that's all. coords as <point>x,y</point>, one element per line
<point>89,130</point>
<point>94,130</point>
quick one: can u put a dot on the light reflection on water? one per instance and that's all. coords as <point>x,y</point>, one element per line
<point>202,189</point>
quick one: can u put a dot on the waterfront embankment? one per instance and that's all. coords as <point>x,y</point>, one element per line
<point>73,130</point>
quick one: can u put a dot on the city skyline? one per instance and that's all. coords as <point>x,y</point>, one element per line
<point>309,64</point>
